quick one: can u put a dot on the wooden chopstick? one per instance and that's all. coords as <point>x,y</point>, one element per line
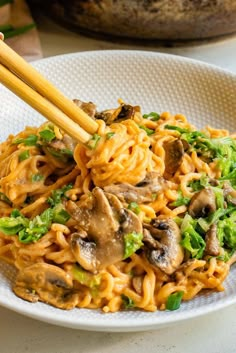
<point>42,105</point>
<point>15,63</point>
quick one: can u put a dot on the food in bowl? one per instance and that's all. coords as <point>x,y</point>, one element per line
<point>141,217</point>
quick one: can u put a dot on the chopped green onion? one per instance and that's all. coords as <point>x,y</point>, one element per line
<point>176,128</point>
<point>152,116</point>
<point>47,135</point>
<point>58,195</point>
<point>133,241</point>
<point>148,131</point>
<point>67,151</point>
<point>30,140</point>
<point>85,278</point>
<point>180,200</point>
<point>92,143</point>
<point>15,213</point>
<point>5,28</point>
<point>109,135</point>
<point>60,215</point>
<point>37,177</point>
<point>174,301</point>
<point>4,2</point>
<point>24,155</point>
<point>19,30</point>
<point>200,184</point>
<point>128,303</point>
<point>133,206</point>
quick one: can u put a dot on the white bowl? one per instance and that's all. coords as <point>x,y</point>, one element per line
<point>156,82</point>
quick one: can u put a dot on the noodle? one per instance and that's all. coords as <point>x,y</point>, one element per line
<point>49,187</point>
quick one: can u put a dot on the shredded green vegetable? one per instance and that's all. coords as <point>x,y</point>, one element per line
<point>133,206</point>
<point>133,241</point>
<point>31,230</point>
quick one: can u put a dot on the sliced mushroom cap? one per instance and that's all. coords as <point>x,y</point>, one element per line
<point>89,108</point>
<point>84,251</point>
<point>202,203</point>
<point>163,249</point>
<point>141,192</point>
<point>48,283</point>
<point>123,112</point>
<point>106,222</point>
<point>229,192</point>
<point>174,151</point>
<point>212,242</point>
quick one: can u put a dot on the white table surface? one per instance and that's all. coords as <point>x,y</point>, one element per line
<point>214,333</point>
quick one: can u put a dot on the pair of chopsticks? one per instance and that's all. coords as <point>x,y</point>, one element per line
<point>28,84</point>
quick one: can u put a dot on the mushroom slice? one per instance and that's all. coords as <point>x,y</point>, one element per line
<point>123,112</point>
<point>141,192</point>
<point>174,151</point>
<point>162,238</point>
<point>202,203</point>
<point>212,242</point>
<point>95,215</point>
<point>105,222</point>
<point>89,108</point>
<point>84,252</point>
<point>229,192</point>
<point>129,222</point>
<point>48,283</point>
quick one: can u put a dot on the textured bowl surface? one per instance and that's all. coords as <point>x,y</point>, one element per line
<point>157,82</point>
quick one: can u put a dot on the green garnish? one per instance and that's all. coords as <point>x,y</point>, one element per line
<point>148,131</point>
<point>180,200</point>
<point>174,300</point>
<point>31,230</point>
<point>5,28</point>
<point>4,2</point>
<point>30,140</point>
<point>226,231</point>
<point>85,278</point>
<point>17,31</point>
<point>191,239</point>
<point>200,184</point>
<point>128,303</point>
<point>59,194</point>
<point>109,135</point>
<point>133,206</point>
<point>92,143</point>
<point>60,215</point>
<point>37,177</point>
<point>12,225</point>
<point>133,241</point>
<point>34,229</point>
<point>62,154</point>
<point>152,116</point>
<point>24,155</point>
<point>47,135</point>
<point>176,128</point>
<point>231,176</point>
